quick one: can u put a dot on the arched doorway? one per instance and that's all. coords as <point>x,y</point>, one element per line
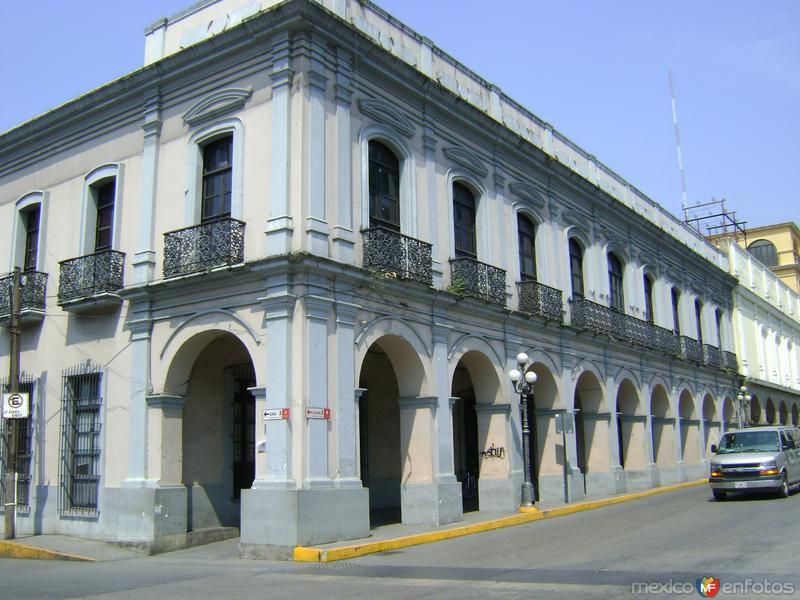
<point>728,415</point>
<point>591,433</point>
<point>395,430</point>
<point>711,426</point>
<point>783,414</point>
<point>770,412</point>
<point>548,454</point>
<point>663,425</point>
<point>755,411</point>
<point>794,414</point>
<point>379,437</point>
<point>465,438</point>
<point>631,429</point>
<point>689,429</point>
<point>218,428</point>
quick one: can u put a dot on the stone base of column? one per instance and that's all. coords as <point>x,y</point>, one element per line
<point>669,474</point>
<point>575,479</point>
<point>641,479</point>
<point>431,504</point>
<point>274,521</point>
<point>148,519</point>
<point>498,495</point>
<point>601,484</point>
<point>693,472</point>
<point>551,488</point>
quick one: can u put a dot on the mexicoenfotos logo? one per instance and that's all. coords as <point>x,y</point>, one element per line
<point>708,587</point>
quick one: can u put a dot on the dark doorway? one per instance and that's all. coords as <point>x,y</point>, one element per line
<point>580,439</point>
<point>244,425</point>
<point>465,439</point>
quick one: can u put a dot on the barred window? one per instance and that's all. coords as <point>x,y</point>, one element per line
<point>24,448</point>
<point>80,440</point>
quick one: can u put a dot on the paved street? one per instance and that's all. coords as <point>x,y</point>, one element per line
<point>668,541</point>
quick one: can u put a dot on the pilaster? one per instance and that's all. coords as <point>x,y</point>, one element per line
<point>144,260</point>
<point>343,235</point>
<point>317,228</point>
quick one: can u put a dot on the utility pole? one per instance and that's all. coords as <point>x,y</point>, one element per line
<point>13,387</point>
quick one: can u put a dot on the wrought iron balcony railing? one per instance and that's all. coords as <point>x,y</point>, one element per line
<point>691,349</point>
<point>33,286</point>
<point>597,318</point>
<point>396,255</point>
<point>666,341</point>
<point>712,356</point>
<point>729,361</point>
<point>541,300</point>
<point>91,275</point>
<point>470,277</point>
<point>202,247</point>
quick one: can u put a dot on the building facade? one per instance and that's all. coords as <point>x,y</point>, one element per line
<point>276,278</point>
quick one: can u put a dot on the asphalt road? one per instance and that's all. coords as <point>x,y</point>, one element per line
<point>653,547</point>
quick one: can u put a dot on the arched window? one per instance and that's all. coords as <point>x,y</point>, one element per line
<point>576,268</point>
<point>676,321</point>
<point>615,282</point>
<point>718,319</point>
<point>464,222</point>
<point>698,312</point>
<point>384,187</point>
<point>764,251</point>
<point>648,299</point>
<point>217,179</point>
<point>526,236</point>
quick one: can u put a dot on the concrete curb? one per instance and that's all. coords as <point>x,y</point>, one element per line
<point>17,550</point>
<point>526,515</point>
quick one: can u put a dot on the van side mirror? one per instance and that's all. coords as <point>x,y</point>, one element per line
<point>713,448</point>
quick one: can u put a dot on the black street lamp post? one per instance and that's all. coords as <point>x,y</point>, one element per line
<point>523,385</point>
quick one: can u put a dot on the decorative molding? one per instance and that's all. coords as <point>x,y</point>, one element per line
<point>385,113</point>
<point>216,104</point>
<point>527,192</point>
<point>468,160</point>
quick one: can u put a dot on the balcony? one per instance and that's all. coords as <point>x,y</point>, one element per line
<point>691,350</point>
<point>33,285</point>
<point>94,279</point>
<point>712,356</point>
<point>203,247</point>
<point>541,300</point>
<point>475,279</point>
<point>396,255</point>
<point>729,361</point>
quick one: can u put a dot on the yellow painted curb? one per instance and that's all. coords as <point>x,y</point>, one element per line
<point>17,550</point>
<point>525,515</point>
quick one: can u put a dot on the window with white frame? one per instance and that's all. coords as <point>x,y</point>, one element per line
<point>649,315</point>
<point>676,322</point>
<point>384,187</point>
<point>217,179</point>
<point>698,316</point>
<point>31,218</point>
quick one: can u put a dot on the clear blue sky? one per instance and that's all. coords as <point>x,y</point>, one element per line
<point>596,70</point>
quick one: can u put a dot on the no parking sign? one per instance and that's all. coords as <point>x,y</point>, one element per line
<point>16,406</point>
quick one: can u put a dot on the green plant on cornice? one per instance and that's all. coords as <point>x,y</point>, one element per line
<point>457,286</point>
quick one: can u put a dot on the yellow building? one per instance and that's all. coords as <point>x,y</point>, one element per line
<point>776,246</point>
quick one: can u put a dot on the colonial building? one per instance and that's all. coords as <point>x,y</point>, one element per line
<point>276,278</point>
<point>767,332</point>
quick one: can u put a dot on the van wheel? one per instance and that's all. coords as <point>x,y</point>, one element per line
<point>783,491</point>
<point>719,495</point>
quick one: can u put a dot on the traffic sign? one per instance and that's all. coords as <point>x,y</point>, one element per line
<point>275,414</point>
<point>317,413</point>
<point>16,406</point>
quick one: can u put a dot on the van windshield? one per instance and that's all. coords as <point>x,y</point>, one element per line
<point>749,441</point>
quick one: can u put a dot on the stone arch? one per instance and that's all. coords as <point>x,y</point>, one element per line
<point>663,426</point>
<point>728,414</point>
<point>592,430</point>
<point>769,412</point>
<point>756,414</point>
<point>712,425</point>
<point>631,427</point>
<point>181,349</point>
<point>689,425</point>
<point>405,348</point>
<point>783,413</point>
<point>480,422</point>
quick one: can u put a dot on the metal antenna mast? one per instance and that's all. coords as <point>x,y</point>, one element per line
<point>684,202</point>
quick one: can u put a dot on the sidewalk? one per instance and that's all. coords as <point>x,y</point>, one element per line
<point>381,539</point>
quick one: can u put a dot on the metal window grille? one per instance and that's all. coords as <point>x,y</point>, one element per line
<point>80,440</point>
<point>24,447</point>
